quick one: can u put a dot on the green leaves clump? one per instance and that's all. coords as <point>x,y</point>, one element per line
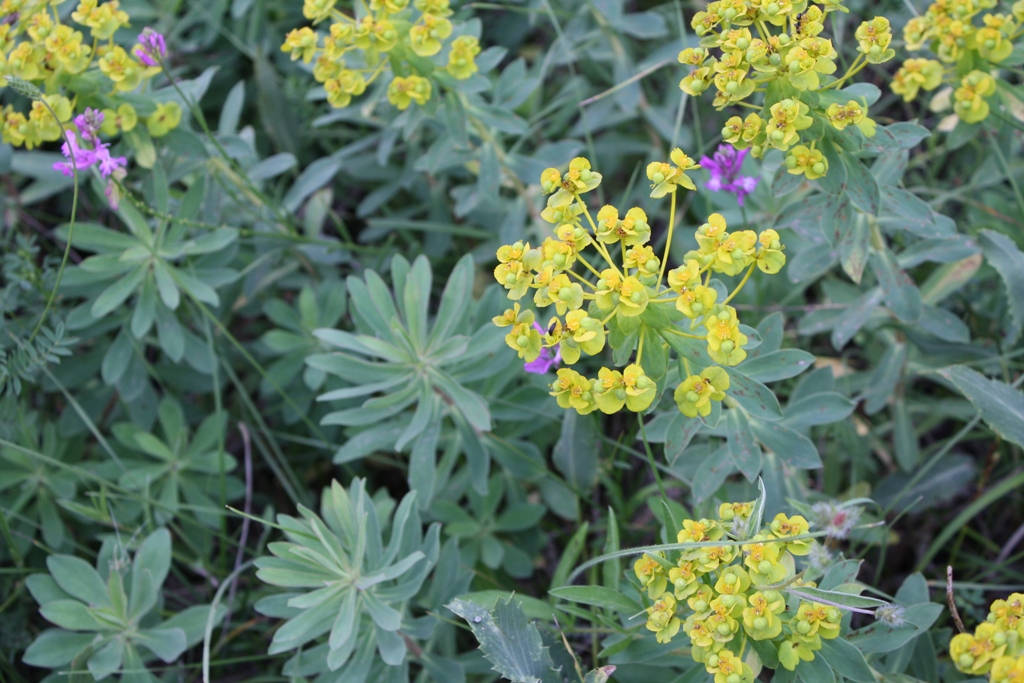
<point>358,588</point>
<point>108,618</point>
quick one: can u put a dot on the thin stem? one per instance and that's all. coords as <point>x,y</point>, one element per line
<point>603,250</point>
<point>587,264</point>
<point>582,279</point>
<point>71,222</point>
<point>650,459</point>
<point>740,285</point>
<point>668,238</point>
<point>678,333</point>
<point>640,345</point>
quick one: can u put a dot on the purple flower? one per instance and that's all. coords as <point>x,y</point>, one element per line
<point>82,158</point>
<point>724,168</point>
<point>89,124</point>
<point>546,360</point>
<point>151,48</point>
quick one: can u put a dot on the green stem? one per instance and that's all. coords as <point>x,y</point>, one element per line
<point>736,291</point>
<point>71,224</point>
<point>668,238</point>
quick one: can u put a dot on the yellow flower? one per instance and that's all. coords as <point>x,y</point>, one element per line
<point>725,341</point>
<point>565,294</point>
<point>633,297</point>
<point>662,619</point>
<point>515,262</point>
<point>802,160</point>
<point>120,68</point>
<point>103,19</point>
<point>346,85</point>
<point>610,391</point>
<point>461,58</point>
<point>840,116</point>
<point>783,526</point>
<point>317,10</point>
<point>573,390</point>
<point>301,43</point>
<point>666,177</point>
<point>770,258</point>
<point>788,117</point>
<point>651,576</point>
<point>760,618</point>
<point>873,38</point>
<point>916,75</point>
<point>640,389</point>
<point>123,119</point>
<point>695,393</point>
<point>425,39</point>
<point>165,119</point>
<point>685,276</point>
<point>404,91</point>
<point>969,100</point>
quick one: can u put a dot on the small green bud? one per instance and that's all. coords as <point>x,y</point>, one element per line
<point>700,606</point>
<point>803,627</point>
<point>692,397</point>
<point>651,265</point>
<point>559,259</point>
<point>773,8</point>
<point>620,394</point>
<point>733,678</point>
<point>523,341</point>
<point>659,177</point>
<point>565,293</point>
<point>723,629</point>
<point>818,168</point>
<point>764,566</point>
<point>728,346</point>
<point>731,87</point>
<point>636,297</point>
<point>586,175</point>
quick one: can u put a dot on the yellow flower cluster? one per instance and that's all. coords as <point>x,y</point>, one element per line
<point>37,47</point>
<point>967,51</point>
<point>774,47</point>
<point>721,595</point>
<point>626,302</point>
<point>385,38</point>
<point>997,646</point>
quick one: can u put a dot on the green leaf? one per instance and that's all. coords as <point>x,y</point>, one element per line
<point>472,406</point>
<point>680,432</point>
<point>861,186</point>
<point>599,596</point>
<point>756,398</point>
<point>78,579</point>
<point>816,671</point>
<point>578,450</point>
<point>899,292</point>
<point>55,648</point>
<point>853,247</point>
<point>879,637</point>
<point>107,660</point>
<point>777,365</point>
<point>512,645</point>
<point>847,659</point>
<point>570,556</point>
<point>1008,261</point>
<point>743,447</point>
<point>1000,405</point>
<point>73,616</point>
<point>790,445</point>
<point>115,295</point>
<point>818,409</point>
<point>165,643</point>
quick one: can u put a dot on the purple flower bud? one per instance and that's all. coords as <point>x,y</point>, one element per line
<point>89,124</point>
<point>151,48</point>
<point>546,360</point>
<point>724,168</point>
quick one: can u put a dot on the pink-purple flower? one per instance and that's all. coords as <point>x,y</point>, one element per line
<point>724,168</point>
<point>81,157</point>
<point>546,360</point>
<point>151,48</point>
